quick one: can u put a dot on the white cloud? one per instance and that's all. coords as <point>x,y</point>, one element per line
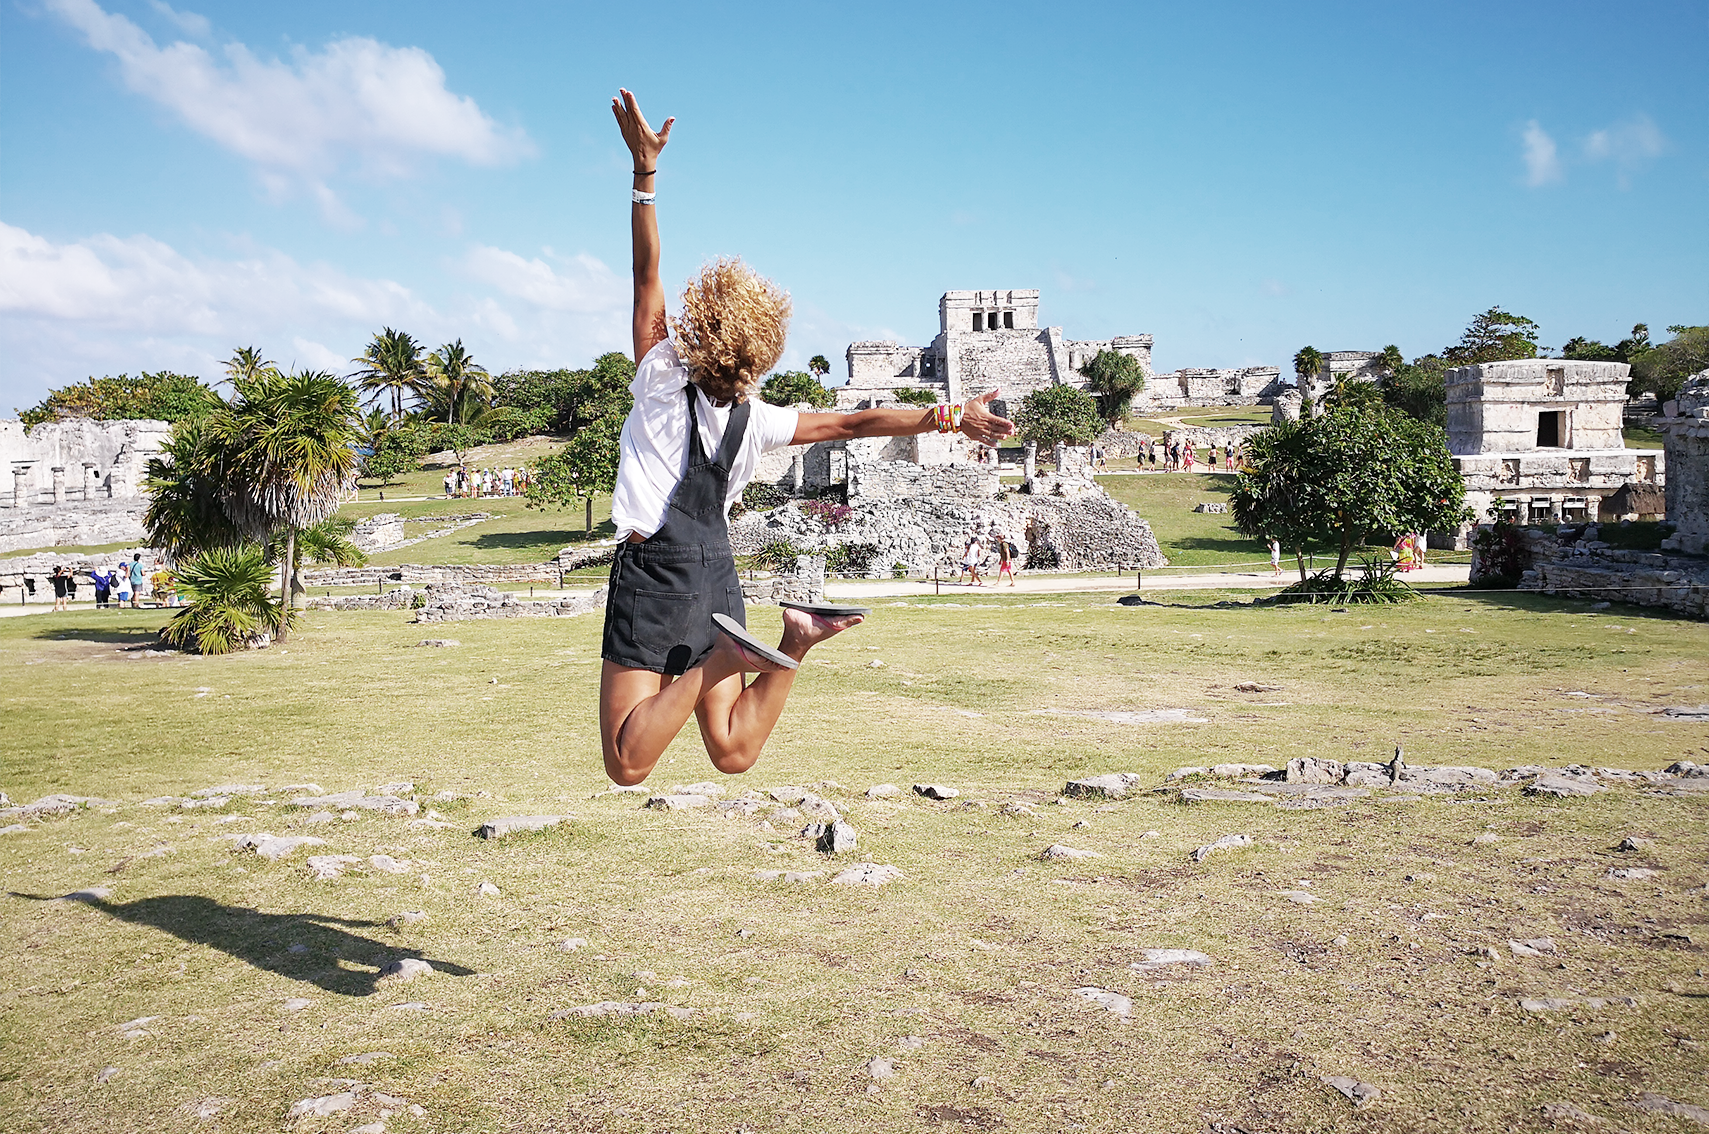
<point>1627,144</point>
<point>189,23</point>
<point>356,101</point>
<point>107,304</point>
<point>1542,156</point>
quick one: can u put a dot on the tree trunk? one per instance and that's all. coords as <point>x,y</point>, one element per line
<point>1299,557</point>
<point>1346,547</point>
<point>590,514</point>
<point>286,598</point>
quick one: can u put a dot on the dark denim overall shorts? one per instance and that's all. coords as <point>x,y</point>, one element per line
<point>665,589</point>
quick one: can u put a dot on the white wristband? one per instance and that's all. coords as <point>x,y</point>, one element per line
<point>641,198</point>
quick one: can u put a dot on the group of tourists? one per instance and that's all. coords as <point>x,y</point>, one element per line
<point>979,548</point>
<point>122,584</point>
<point>464,481</point>
<point>1175,456</point>
<point>1408,552</point>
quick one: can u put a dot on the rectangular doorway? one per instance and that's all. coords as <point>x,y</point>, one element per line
<point>1551,428</point>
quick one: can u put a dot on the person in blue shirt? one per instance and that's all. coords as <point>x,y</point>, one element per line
<point>137,575</point>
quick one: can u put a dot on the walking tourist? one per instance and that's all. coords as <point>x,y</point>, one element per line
<point>61,585</point>
<point>971,557</point>
<point>1187,458</point>
<point>137,575</point>
<point>103,581</point>
<point>1275,558</point>
<point>1228,455</point>
<point>676,643</point>
<point>1005,559</point>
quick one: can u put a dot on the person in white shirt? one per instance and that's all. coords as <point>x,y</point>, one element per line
<point>675,643</point>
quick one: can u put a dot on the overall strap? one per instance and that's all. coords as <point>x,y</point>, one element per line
<point>696,451</point>
<point>734,432</point>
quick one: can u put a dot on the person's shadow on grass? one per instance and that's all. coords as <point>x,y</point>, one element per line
<point>266,940</point>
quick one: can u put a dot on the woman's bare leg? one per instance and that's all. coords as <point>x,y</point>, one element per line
<point>641,712</point>
<point>735,722</point>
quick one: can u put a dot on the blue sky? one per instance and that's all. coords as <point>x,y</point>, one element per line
<point>1236,179</point>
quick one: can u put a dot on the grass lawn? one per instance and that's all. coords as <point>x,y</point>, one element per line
<point>1207,417</point>
<point>1641,437</point>
<point>963,973</point>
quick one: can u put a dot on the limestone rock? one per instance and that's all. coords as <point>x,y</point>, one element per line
<point>936,791</point>
<point>1446,778</point>
<point>818,808</point>
<point>1240,771</point>
<point>1634,843</point>
<point>1183,773</point>
<point>229,789</point>
<point>742,808</point>
<point>1113,1002</point>
<point>323,1107</point>
<point>1536,947</point>
<point>1299,897</point>
<point>87,896</point>
<point>1486,839</point>
<point>1219,795</point>
<point>296,1004</point>
<point>881,1068</point>
<point>1156,959</point>
<point>867,874</point>
<point>1559,785</point>
<point>789,796</point>
<point>438,643</point>
<point>328,866</point>
<point>385,804</point>
<point>621,1008</point>
<point>514,824</point>
<point>1226,842</point>
<point>1256,687</point>
<point>14,829</point>
<point>1111,785</point>
<point>1630,873</point>
<point>677,802</point>
<point>274,848</point>
<point>386,864</point>
<point>487,890</point>
<point>367,1057</point>
<point>406,968</point>
<point>571,944</point>
<point>1057,852</point>
<point>793,877</point>
<point>882,791</point>
<point>1661,1104</point>
<point>1357,1093</point>
<point>838,838</point>
<point>1312,770</point>
<point>408,917</point>
<point>1014,810</point>
<point>705,787</point>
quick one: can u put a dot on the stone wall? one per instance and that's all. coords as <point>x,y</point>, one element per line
<point>876,481</point>
<point>459,604</point>
<point>468,574</point>
<point>76,523</point>
<point>40,567</point>
<point>1197,386</point>
<point>1684,425</point>
<point>1495,407</point>
<point>1574,562</point>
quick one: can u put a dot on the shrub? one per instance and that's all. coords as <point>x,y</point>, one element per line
<point>1377,583</point>
<point>1499,553</point>
<point>762,497</point>
<point>851,560</point>
<point>898,570</point>
<point>916,396</point>
<point>231,600</point>
<point>778,555</point>
<point>827,512</point>
<point>162,397</point>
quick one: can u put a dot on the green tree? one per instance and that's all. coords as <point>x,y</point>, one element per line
<point>819,366</point>
<point>1389,359</point>
<point>1058,413</point>
<point>391,364</point>
<point>583,467</point>
<point>1494,336</point>
<point>287,456</point>
<point>156,397</point>
<point>458,388</point>
<point>247,364</point>
<point>1419,389</point>
<point>1663,369</point>
<point>395,452</point>
<point>1349,391</point>
<point>185,514</point>
<point>1115,378</point>
<point>326,542</point>
<point>793,387</point>
<point>1344,475</point>
<point>1308,363</point>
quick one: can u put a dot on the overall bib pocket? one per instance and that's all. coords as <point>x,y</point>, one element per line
<point>662,619</point>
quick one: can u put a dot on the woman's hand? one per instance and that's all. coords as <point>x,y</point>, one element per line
<point>983,426</point>
<point>643,143</point>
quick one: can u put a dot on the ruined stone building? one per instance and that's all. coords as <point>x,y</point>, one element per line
<point>75,481</point>
<point>1543,436</point>
<point>1684,425</point>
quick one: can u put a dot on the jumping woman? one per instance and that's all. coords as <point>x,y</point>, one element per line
<point>675,639</point>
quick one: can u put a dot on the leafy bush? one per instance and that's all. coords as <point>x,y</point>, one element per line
<point>229,589</point>
<point>916,396</point>
<point>1377,583</point>
<point>396,452</point>
<point>761,497</point>
<point>851,560</point>
<point>1042,557</point>
<point>1499,553</point>
<point>1059,413</point>
<point>778,555</point>
<point>1115,378</point>
<point>898,570</point>
<point>161,397</point>
<point>827,512</point>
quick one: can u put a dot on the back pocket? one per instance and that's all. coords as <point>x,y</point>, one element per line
<point>663,619</point>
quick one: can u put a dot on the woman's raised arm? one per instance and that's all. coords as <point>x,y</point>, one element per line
<point>644,146</point>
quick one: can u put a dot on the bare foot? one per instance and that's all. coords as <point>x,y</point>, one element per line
<point>802,630</point>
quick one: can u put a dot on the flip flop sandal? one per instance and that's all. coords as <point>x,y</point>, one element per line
<point>750,645</point>
<point>824,610</point>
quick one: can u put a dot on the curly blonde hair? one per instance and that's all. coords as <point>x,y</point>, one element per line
<point>732,328</point>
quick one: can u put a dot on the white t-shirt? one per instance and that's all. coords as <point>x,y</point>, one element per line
<point>655,441</point>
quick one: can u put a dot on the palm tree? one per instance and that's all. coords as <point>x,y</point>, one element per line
<point>457,384</point>
<point>246,365</point>
<point>1308,363</point>
<point>288,443</point>
<point>392,361</point>
<point>184,516</point>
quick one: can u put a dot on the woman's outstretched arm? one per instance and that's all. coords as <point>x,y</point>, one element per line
<point>644,146</point>
<point>977,422</point>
